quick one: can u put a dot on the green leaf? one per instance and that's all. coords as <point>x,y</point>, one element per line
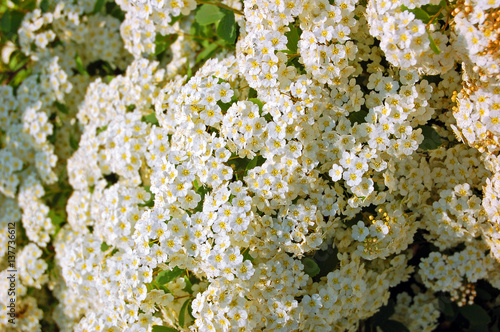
<point>189,73</point>
<point>496,326</point>
<point>17,61</point>
<point>327,260</point>
<point>98,6</point>
<point>419,13</point>
<point>165,277</point>
<point>56,218</point>
<point>225,106</point>
<point>162,43</point>
<point>484,294</point>
<point>257,102</point>
<point>61,107</point>
<point>358,116</point>
<point>79,66</point>
<point>196,185</point>
<point>158,328</point>
<point>433,45</point>
<point>16,19</point>
<point>115,11</point>
<point>189,285</point>
<point>393,325</point>
<point>447,308</point>
<point>100,130</point>
<point>383,314</point>
<point>257,161</point>
<point>182,313</point>
<point>28,5</point>
<point>432,140</point>
<point>434,9</point>
<point>73,142</point>
<point>310,266</point>
<point>10,22</point>
<point>294,61</point>
<point>208,14</point>
<point>252,93</point>
<point>201,33</point>
<point>479,328</point>
<point>151,202</point>
<point>293,37</point>
<point>246,255</point>
<point>176,18</point>
<point>5,22</point>
<point>206,52</point>
<point>226,29</point>
<point>44,6</point>
<point>105,246</point>
<point>475,314</point>
<point>150,118</point>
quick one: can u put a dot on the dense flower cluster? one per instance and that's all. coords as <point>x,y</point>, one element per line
<point>287,183</point>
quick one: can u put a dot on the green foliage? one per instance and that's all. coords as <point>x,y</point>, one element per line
<point>327,261</point>
<point>73,142</point>
<point>358,117</point>
<point>115,11</point>
<point>225,106</point>
<point>419,13</point>
<point>241,166</point>
<point>434,9</point>
<point>311,268</point>
<point>448,309</point>
<point>100,130</point>
<point>10,22</point>
<point>80,67</point>
<point>433,45</point>
<point>162,43</point>
<point>17,61</point>
<point>257,161</point>
<point>208,14</point>
<point>226,29</point>
<point>392,325</point>
<point>57,218</point>
<point>158,328</point>
<point>246,255</point>
<point>105,246</point>
<point>381,320</point>
<point>428,14</point>
<point>208,51</point>
<point>432,140</point>
<point>182,312</point>
<point>164,277</point>
<point>475,314</point>
<point>293,37</point>
<point>258,103</point>
<point>151,202</point>
<point>151,119</point>
<point>98,6</point>
<point>61,107</point>
<point>483,315</point>
<point>44,6</point>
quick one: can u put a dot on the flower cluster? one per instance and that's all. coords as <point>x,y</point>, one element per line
<point>164,175</point>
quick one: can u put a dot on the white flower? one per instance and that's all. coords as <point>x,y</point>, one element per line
<point>360,231</point>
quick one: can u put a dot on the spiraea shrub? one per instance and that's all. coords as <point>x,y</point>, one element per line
<point>253,165</point>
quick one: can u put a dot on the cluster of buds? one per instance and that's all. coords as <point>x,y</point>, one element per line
<point>464,295</point>
<point>462,6</point>
<point>381,224</point>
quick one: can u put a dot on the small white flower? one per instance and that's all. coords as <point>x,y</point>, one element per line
<point>360,231</point>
